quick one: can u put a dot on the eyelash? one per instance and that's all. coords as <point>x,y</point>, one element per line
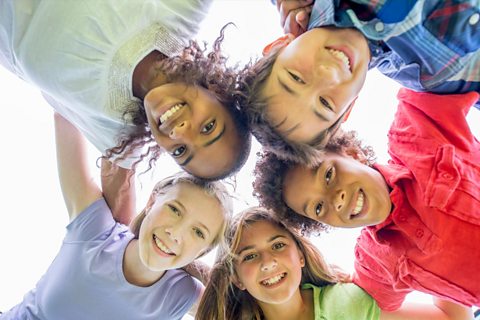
<point>199,233</point>
<point>212,125</point>
<point>329,175</point>
<point>174,209</point>
<point>325,103</point>
<point>180,154</point>
<point>296,78</point>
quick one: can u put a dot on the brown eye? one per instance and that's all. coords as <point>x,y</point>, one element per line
<point>178,152</point>
<point>208,128</point>
<point>296,78</point>
<point>329,175</point>
<point>325,103</point>
<point>318,209</point>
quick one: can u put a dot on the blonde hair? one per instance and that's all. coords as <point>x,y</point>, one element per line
<point>215,189</point>
<point>222,300</point>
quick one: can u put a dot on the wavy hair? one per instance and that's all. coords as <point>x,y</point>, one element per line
<point>193,67</point>
<point>222,300</point>
<point>270,171</point>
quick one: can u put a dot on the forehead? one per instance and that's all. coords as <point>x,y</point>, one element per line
<point>260,232</point>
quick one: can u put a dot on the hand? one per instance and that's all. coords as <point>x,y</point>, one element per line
<point>294,15</point>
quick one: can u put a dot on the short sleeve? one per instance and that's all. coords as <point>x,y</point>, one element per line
<point>92,222</point>
<point>345,301</point>
<point>183,292</point>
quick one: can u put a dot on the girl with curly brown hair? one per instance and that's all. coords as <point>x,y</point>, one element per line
<point>421,227</point>
<point>127,74</point>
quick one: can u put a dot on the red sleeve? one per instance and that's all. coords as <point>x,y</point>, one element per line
<point>436,116</point>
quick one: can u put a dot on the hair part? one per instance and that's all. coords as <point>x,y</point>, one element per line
<point>270,171</point>
<point>214,189</point>
<point>194,66</point>
<point>222,300</point>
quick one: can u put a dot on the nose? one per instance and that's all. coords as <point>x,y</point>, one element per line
<point>268,262</point>
<point>339,199</point>
<point>179,130</point>
<point>327,75</point>
<point>174,233</point>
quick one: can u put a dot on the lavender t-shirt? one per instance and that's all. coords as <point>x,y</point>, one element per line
<point>86,281</point>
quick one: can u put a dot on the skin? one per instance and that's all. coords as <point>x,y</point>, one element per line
<point>265,251</point>
<point>330,192</point>
<point>177,218</point>
<point>309,87</point>
<point>197,134</point>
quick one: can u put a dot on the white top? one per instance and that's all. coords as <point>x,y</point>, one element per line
<point>82,54</point>
<point>86,280</point>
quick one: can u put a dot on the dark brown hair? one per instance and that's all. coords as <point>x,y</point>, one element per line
<point>270,172</point>
<point>193,67</point>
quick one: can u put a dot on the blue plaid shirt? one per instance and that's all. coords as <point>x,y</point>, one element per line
<point>425,45</point>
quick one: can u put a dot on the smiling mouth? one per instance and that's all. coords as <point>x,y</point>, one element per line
<point>162,246</point>
<point>358,205</point>
<point>170,112</point>
<point>342,56</point>
<point>273,280</point>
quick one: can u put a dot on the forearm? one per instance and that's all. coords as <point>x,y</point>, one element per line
<point>118,185</point>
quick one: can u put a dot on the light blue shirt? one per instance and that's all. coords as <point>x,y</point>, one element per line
<point>86,281</point>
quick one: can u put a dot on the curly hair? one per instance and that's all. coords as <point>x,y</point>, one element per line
<point>193,67</point>
<point>254,102</point>
<point>270,171</point>
<point>222,300</point>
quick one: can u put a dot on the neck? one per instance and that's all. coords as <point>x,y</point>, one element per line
<point>299,307</point>
<point>135,271</point>
<point>147,75</point>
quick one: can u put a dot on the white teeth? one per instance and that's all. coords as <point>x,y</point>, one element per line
<point>170,112</point>
<point>359,205</point>
<point>161,246</point>
<point>273,280</point>
<point>342,56</point>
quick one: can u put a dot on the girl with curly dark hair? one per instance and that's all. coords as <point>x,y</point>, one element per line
<point>127,74</point>
<point>419,211</point>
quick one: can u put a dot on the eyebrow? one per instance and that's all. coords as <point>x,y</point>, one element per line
<point>269,240</point>
<point>206,144</point>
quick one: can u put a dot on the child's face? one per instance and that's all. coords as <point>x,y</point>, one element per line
<point>341,192</point>
<point>193,127</point>
<point>314,80</point>
<point>180,225</point>
<point>269,265</point>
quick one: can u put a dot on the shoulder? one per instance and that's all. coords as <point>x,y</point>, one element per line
<point>343,300</point>
<point>180,290</point>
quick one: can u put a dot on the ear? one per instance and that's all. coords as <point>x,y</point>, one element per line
<point>150,202</point>
<point>278,44</point>
<point>302,259</point>
<point>234,279</point>
<point>349,109</point>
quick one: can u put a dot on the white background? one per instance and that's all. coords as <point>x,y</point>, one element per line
<point>32,214</point>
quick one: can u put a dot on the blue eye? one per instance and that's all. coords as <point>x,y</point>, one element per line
<point>199,233</point>
<point>178,152</point>
<point>174,209</point>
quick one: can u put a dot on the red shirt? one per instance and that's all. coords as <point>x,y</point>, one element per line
<point>431,240</point>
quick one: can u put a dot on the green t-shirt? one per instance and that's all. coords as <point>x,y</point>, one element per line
<point>343,301</point>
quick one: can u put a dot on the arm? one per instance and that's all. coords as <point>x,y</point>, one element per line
<point>118,187</point>
<point>440,310</point>
<point>78,187</point>
<point>294,15</point>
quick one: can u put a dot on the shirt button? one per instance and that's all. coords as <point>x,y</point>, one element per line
<point>474,18</point>
<point>379,26</point>
<point>446,176</point>
<point>419,233</point>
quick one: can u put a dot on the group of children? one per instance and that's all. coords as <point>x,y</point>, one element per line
<point>127,76</point>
